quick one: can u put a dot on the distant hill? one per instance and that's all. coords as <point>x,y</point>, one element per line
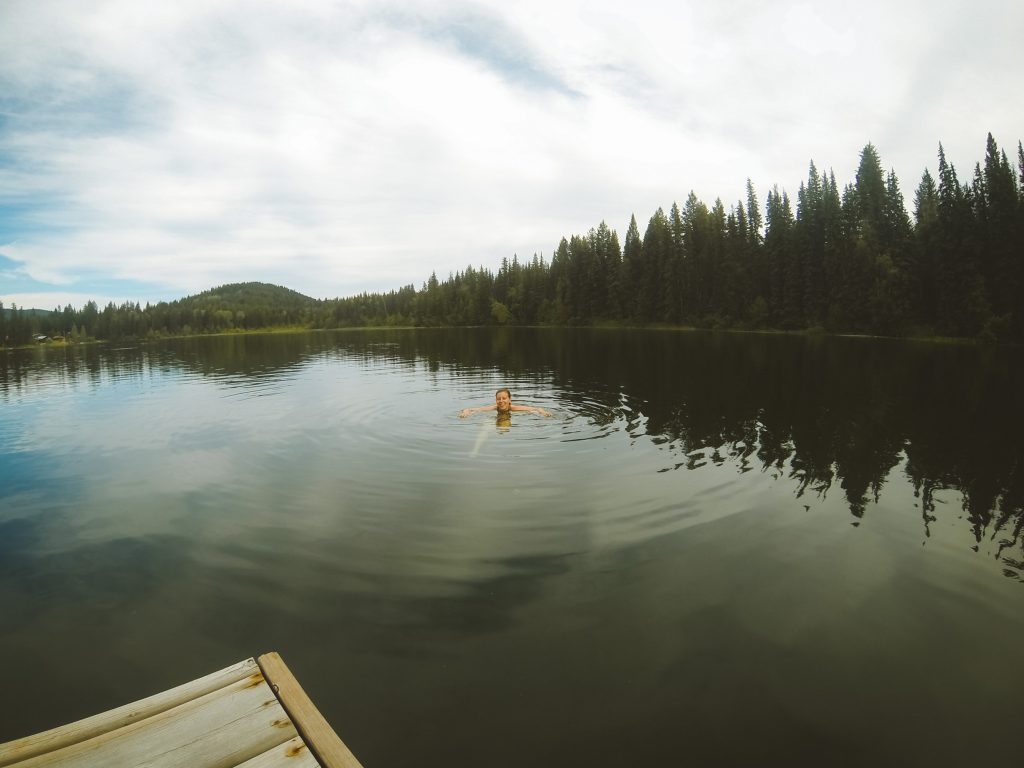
<point>232,307</point>
<point>28,312</point>
<point>246,296</point>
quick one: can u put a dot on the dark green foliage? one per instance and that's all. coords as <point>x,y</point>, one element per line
<point>847,260</point>
<point>19,326</point>
<point>961,306</point>
<point>921,254</point>
<point>632,271</point>
<point>659,278</point>
<point>784,262</point>
<point>809,247</point>
<point>1000,237</point>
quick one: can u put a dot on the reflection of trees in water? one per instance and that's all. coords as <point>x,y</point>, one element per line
<point>828,414</point>
<point>24,371</point>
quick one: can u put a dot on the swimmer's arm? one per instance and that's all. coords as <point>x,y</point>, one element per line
<point>530,409</point>
<point>467,411</point>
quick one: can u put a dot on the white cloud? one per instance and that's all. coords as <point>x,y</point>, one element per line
<point>336,148</point>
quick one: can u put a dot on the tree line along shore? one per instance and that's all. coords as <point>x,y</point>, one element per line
<point>838,260</point>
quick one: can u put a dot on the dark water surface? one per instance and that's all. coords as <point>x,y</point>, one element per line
<point>722,549</point>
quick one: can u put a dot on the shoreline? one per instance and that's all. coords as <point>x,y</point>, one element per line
<point>289,329</point>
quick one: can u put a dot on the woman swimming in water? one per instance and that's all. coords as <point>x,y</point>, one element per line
<point>503,405</point>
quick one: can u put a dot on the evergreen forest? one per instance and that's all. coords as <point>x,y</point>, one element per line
<point>840,260</point>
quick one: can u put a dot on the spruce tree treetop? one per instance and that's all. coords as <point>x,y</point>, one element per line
<point>754,218</point>
<point>926,201</point>
<point>870,186</point>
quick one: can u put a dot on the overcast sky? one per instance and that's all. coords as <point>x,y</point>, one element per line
<point>151,150</point>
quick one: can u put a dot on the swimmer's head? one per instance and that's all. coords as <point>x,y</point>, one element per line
<point>503,399</point>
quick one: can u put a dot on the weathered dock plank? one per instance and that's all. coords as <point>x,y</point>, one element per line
<point>90,727</point>
<point>315,731</point>
<point>292,754</point>
<point>218,730</point>
<point>252,714</point>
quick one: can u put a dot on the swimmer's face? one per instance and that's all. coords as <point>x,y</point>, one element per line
<point>504,401</point>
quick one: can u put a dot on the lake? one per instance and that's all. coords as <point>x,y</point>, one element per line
<point>720,549</point>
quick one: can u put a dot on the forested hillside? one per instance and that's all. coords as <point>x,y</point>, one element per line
<point>842,259</point>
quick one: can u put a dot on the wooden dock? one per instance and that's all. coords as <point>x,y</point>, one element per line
<point>253,715</point>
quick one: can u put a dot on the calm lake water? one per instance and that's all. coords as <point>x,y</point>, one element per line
<point>721,548</point>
